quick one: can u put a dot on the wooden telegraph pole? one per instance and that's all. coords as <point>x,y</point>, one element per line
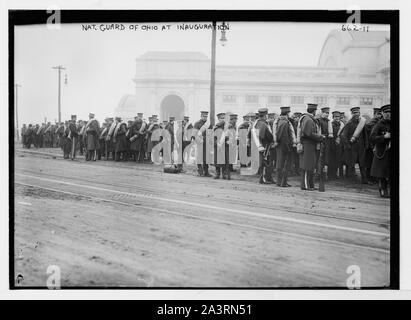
<point>59,68</point>
<point>212,81</point>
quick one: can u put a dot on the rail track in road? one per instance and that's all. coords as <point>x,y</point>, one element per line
<point>147,190</point>
<point>180,229</point>
<point>227,222</point>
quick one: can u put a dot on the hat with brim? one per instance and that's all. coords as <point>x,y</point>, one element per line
<point>204,113</point>
<point>297,114</point>
<point>325,109</point>
<point>311,107</point>
<point>220,115</point>
<point>73,117</point>
<point>355,109</point>
<point>91,115</point>
<point>285,109</point>
<point>172,118</point>
<point>336,113</point>
<point>386,108</point>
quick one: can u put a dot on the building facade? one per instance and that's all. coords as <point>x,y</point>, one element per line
<point>353,70</point>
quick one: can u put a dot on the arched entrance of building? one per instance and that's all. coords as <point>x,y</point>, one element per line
<point>172,106</point>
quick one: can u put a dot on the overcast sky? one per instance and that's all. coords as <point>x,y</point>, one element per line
<point>101,64</point>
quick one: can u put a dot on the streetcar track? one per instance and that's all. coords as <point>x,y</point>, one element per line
<point>150,191</point>
<point>218,221</point>
<point>147,171</point>
<point>211,207</point>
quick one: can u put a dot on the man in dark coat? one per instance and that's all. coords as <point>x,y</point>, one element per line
<point>285,139</point>
<point>102,140</point>
<point>245,125</point>
<point>201,127</point>
<point>263,138</point>
<point>325,127</point>
<point>92,130</point>
<point>135,139</point>
<point>354,140</point>
<point>381,138</point>
<point>150,143</point>
<point>73,136</point>
<point>310,137</point>
<point>29,136</point>
<point>219,147</point>
<point>335,148</point>
<point>23,135</point>
<point>119,140</point>
<point>65,140</point>
<point>295,157</point>
<point>369,154</point>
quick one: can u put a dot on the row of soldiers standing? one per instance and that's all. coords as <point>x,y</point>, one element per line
<point>299,144</point>
<point>319,142</point>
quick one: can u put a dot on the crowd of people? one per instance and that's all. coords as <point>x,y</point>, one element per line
<point>288,143</point>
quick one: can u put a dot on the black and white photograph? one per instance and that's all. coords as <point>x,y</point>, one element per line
<point>203,150</point>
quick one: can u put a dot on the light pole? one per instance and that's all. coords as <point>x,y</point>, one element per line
<point>59,68</point>
<point>223,41</point>
<point>17,115</point>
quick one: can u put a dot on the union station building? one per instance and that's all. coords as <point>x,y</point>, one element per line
<point>353,69</point>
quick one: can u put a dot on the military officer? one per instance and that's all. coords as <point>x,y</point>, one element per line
<point>201,127</point>
<point>335,148</point>
<point>263,138</point>
<point>309,135</point>
<point>381,138</point>
<point>354,140</point>
<point>286,140</point>
<point>92,131</point>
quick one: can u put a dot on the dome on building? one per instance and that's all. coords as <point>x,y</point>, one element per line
<point>364,52</point>
<point>127,107</point>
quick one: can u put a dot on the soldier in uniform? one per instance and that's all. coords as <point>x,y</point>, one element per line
<point>66,141</point>
<point>335,148</point>
<point>354,140</point>
<point>309,135</point>
<point>119,140</point>
<point>233,128</point>
<point>245,126</point>
<point>109,138</point>
<point>143,138</point>
<point>295,158</point>
<point>103,139</point>
<point>219,147</point>
<point>135,138</point>
<point>286,141</point>
<point>150,143</point>
<point>23,135</point>
<point>381,138</point>
<point>201,156</point>
<point>92,131</point>
<point>187,129</point>
<point>263,138</point>
<point>29,136</point>
<point>72,137</point>
<point>369,155</point>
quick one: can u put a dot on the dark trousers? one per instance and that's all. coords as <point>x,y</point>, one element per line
<point>307,179</point>
<point>283,166</point>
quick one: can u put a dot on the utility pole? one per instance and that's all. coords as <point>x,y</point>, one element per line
<point>17,115</point>
<point>59,68</point>
<point>212,82</point>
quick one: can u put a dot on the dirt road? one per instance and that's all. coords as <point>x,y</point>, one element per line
<point>121,224</point>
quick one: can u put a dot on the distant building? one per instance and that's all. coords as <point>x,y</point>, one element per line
<point>353,70</point>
